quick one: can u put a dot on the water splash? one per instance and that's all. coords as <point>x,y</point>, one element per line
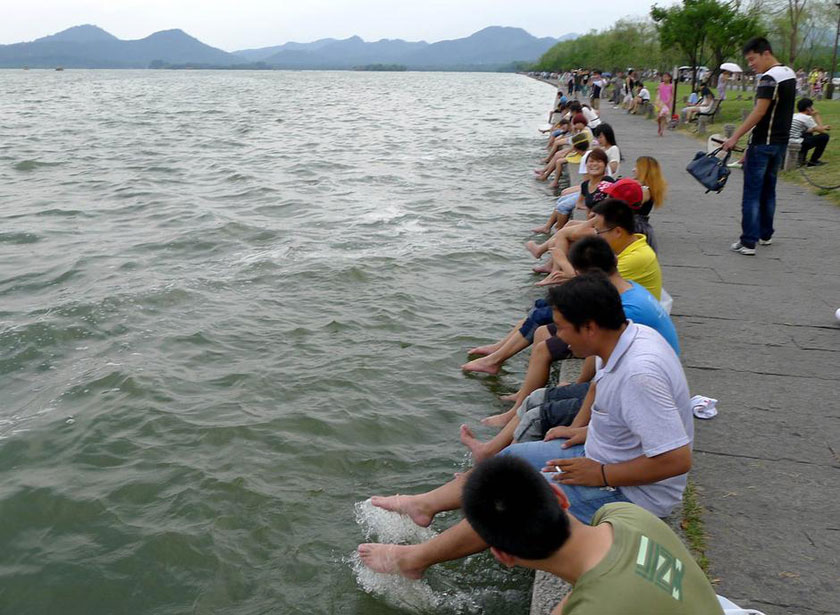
<point>390,527</point>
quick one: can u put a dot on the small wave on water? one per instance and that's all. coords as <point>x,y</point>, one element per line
<point>227,316</point>
<point>31,165</point>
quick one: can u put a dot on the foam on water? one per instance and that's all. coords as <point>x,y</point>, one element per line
<point>416,596</point>
<point>390,527</point>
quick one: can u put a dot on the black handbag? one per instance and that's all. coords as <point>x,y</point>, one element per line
<point>710,170</point>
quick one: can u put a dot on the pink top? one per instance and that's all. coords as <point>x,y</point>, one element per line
<point>666,92</point>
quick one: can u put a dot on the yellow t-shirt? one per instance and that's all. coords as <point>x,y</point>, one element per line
<point>638,262</point>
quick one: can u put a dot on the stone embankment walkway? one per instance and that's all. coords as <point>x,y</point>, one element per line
<point>758,333</point>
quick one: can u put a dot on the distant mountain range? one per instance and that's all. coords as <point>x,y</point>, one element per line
<point>89,46</point>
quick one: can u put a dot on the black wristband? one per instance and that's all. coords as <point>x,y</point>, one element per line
<point>604,476</point>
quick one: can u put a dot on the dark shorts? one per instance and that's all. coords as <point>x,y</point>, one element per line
<point>557,348</point>
<point>540,314</point>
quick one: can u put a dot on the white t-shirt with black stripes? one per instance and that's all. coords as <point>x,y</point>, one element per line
<point>779,86</point>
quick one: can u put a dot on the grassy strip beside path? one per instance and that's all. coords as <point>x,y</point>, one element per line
<point>828,175</point>
<point>694,527</point>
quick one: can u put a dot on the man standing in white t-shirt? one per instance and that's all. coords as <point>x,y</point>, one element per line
<point>807,128</point>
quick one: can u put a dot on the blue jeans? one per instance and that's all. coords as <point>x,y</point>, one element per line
<point>758,204</point>
<point>540,314</point>
<point>585,501</point>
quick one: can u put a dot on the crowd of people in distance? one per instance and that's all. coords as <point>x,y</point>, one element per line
<point>579,475</point>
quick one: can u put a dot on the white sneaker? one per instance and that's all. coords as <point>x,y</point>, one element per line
<point>765,242</point>
<point>735,165</point>
<point>742,249</point>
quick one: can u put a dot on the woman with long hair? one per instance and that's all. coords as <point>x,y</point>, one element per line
<point>654,188</point>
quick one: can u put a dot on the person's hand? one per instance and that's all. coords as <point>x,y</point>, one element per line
<point>729,144</point>
<point>574,435</point>
<point>576,471</point>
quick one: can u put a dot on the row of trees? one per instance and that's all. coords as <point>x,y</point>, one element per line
<point>704,32</point>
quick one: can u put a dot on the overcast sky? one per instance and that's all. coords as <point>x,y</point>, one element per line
<point>239,24</point>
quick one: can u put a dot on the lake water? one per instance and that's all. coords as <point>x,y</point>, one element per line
<point>232,306</point>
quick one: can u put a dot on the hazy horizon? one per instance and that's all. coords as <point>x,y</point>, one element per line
<point>261,23</point>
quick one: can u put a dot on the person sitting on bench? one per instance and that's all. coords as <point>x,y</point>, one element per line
<point>706,104</point>
<point>807,128</point>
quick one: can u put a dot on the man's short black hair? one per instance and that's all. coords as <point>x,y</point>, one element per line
<point>513,509</point>
<point>574,106</point>
<point>804,104</point>
<point>616,213</point>
<point>592,254</point>
<point>589,297</point>
<point>758,45</point>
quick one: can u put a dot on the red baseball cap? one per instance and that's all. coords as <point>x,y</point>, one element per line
<point>627,190</point>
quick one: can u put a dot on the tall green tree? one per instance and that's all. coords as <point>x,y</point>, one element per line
<point>686,27</point>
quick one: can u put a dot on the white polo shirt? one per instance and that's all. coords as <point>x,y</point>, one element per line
<point>642,407</point>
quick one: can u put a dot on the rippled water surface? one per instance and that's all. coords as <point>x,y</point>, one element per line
<point>232,306</point>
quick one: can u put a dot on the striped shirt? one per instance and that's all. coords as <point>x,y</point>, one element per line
<point>802,123</point>
<point>778,85</point>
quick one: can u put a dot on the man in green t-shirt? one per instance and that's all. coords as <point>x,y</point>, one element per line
<point>628,561</point>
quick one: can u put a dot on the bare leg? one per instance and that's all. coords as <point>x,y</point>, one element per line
<point>494,361</point>
<point>484,450</point>
<point>412,560</point>
<point>546,228</point>
<point>539,367</point>
<point>423,507</point>
<point>491,348</point>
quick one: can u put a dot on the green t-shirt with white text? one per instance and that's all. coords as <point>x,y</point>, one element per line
<point>647,571</point>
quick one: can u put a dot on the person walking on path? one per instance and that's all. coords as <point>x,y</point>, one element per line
<point>770,122</point>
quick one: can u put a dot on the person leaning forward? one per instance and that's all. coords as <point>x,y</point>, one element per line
<point>627,561</point>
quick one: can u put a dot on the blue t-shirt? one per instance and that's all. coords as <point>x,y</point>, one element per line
<point>641,307</point>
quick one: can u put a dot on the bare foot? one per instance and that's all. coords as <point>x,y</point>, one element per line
<point>541,230</point>
<point>477,447</point>
<point>557,277</point>
<point>533,248</point>
<point>485,350</point>
<point>410,505</point>
<point>544,268</point>
<point>390,559</point>
<point>498,420</point>
<point>511,397</point>
<point>540,178</point>
<point>484,364</point>
<point>554,185</point>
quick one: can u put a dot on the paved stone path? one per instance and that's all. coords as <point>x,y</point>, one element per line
<point>759,334</point>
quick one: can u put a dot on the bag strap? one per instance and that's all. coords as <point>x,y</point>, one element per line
<point>714,153</point>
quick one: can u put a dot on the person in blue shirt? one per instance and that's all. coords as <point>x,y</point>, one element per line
<point>540,409</point>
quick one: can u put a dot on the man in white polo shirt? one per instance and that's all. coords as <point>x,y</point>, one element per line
<point>637,431</point>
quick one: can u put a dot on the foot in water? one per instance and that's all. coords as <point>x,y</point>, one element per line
<point>533,248</point>
<point>390,559</point>
<point>410,505</point>
<point>484,350</point>
<point>511,397</point>
<point>544,268</point>
<point>485,365</point>
<point>541,230</point>
<point>479,449</point>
